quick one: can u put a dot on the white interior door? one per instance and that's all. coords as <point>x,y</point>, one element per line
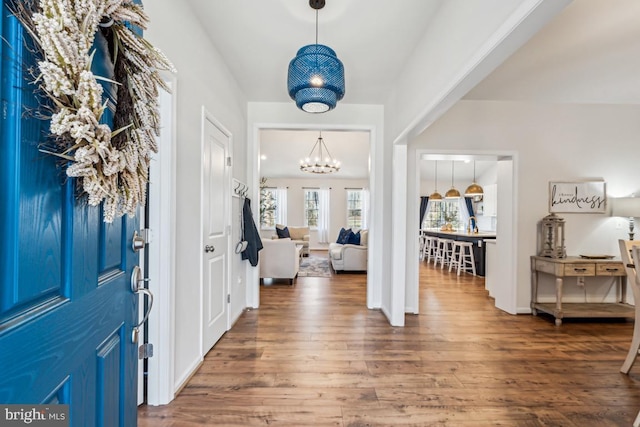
<point>216,228</point>
<point>505,289</point>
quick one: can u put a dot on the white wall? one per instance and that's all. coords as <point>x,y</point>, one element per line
<point>295,204</point>
<point>553,142</point>
<point>202,80</point>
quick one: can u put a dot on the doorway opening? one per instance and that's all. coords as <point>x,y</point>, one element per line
<point>277,143</point>
<point>500,170</point>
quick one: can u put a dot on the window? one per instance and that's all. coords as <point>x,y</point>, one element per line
<point>267,207</point>
<point>441,213</point>
<point>354,209</point>
<point>311,208</point>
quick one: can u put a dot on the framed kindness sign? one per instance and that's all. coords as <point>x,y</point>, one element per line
<point>577,197</point>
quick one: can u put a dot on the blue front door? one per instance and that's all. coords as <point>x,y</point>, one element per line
<point>66,306</point>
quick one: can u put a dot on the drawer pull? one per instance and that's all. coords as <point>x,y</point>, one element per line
<point>579,270</point>
<point>612,269</point>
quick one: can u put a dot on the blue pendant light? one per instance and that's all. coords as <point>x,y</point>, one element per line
<point>316,75</point>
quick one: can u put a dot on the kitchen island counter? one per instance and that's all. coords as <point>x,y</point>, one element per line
<point>477,239</point>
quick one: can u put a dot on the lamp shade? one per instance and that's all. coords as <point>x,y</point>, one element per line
<point>474,190</point>
<point>435,197</point>
<point>316,79</point>
<point>628,207</point>
<point>452,194</point>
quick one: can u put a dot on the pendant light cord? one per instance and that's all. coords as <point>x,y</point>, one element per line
<point>452,162</point>
<point>316,26</point>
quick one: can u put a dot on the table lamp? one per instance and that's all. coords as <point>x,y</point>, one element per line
<point>628,207</point>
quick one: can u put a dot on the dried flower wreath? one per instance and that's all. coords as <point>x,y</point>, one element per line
<point>111,165</point>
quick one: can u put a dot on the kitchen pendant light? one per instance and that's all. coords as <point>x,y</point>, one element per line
<point>316,75</point>
<point>474,190</point>
<point>435,196</point>
<point>452,193</point>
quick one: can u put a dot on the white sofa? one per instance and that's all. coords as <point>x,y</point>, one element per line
<point>280,259</point>
<point>349,257</point>
<point>300,235</point>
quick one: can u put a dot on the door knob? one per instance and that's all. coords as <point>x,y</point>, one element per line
<point>209,248</point>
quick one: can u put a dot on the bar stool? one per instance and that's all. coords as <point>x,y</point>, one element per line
<point>436,251</point>
<point>455,255</point>
<point>429,250</point>
<point>444,252</point>
<point>464,257</point>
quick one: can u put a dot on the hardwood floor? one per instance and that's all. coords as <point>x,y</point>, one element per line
<point>314,355</point>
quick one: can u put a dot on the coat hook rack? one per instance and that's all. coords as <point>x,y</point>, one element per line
<point>240,189</point>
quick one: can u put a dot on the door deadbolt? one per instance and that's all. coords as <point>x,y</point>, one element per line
<point>137,242</point>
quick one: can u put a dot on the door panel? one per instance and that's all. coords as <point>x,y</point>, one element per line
<point>66,307</point>
<point>215,297</point>
<point>111,240</point>
<point>37,241</point>
<point>216,226</point>
<point>216,195</point>
<point>108,380</point>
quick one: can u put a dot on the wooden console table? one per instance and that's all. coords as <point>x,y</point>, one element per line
<point>578,267</point>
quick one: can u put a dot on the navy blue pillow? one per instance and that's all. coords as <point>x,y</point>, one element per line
<point>354,238</point>
<point>283,233</point>
<point>343,236</point>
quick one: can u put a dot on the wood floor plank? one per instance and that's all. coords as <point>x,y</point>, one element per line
<point>314,355</point>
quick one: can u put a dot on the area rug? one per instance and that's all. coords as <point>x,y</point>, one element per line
<point>315,266</point>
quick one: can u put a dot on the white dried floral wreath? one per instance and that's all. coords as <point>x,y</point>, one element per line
<point>111,165</point>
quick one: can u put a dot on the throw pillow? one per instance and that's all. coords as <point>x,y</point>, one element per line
<point>283,233</point>
<point>354,238</point>
<point>364,237</point>
<point>343,236</point>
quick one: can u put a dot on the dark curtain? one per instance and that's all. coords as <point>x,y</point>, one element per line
<point>423,208</point>
<point>469,203</point>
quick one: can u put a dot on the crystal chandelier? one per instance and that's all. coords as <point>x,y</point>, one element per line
<point>319,162</point>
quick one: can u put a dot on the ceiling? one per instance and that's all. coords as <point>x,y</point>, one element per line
<point>373,39</point>
<point>589,53</point>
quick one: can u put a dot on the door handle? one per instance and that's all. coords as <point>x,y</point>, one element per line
<point>137,287</point>
<point>209,248</point>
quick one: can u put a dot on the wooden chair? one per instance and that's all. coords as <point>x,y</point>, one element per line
<point>630,255</point>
